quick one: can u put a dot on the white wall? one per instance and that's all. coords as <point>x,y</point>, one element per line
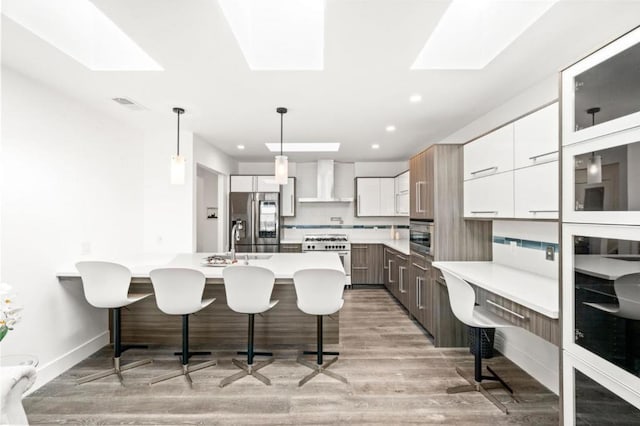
<point>169,222</point>
<point>539,94</point>
<point>72,181</point>
<point>207,196</point>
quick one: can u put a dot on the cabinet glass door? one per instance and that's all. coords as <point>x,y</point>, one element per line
<point>607,299</point>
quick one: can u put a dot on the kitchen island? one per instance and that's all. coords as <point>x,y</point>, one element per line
<point>217,326</point>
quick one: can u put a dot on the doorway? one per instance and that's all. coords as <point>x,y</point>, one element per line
<point>210,215</point>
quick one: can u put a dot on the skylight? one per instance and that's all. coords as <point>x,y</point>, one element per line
<point>278,34</point>
<point>471,33</point>
<point>79,29</point>
<point>304,147</point>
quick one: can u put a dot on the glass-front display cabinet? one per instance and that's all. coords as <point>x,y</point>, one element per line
<point>601,93</point>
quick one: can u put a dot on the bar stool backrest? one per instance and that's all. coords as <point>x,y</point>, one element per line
<point>106,284</point>
<point>462,298</point>
<point>248,288</point>
<point>319,291</point>
<point>178,291</point>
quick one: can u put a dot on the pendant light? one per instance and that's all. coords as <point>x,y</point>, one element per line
<point>282,162</point>
<point>178,161</point>
<point>594,164</point>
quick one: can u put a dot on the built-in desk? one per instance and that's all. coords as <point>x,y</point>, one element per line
<point>528,300</point>
<point>217,325</point>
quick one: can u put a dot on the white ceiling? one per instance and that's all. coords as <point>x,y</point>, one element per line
<point>370,46</point>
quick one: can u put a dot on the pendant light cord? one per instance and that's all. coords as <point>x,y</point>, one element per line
<point>281,131</point>
<point>178,150</point>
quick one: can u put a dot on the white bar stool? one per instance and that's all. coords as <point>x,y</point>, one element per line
<point>463,304</point>
<point>248,290</point>
<point>106,285</point>
<point>319,293</point>
<point>179,291</point>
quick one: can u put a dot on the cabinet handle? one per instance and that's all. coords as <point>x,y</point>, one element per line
<point>495,168</point>
<point>420,267</point>
<point>417,291</point>
<point>543,211</point>
<point>389,268</point>
<point>484,211</point>
<point>420,287</point>
<point>359,247</point>
<point>359,267</point>
<point>358,204</point>
<point>515,314</point>
<point>535,157</point>
<point>293,203</point>
<point>400,257</point>
<point>401,278</point>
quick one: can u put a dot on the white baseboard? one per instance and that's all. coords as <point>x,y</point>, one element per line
<point>53,369</point>
<point>536,356</point>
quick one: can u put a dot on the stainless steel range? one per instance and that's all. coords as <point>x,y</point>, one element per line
<point>338,243</point>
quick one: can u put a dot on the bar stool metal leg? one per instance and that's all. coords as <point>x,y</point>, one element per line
<point>320,367</point>
<point>117,351</point>
<point>185,355</point>
<point>248,367</point>
<point>476,383</point>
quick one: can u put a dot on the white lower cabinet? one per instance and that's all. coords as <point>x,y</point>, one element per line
<point>536,191</point>
<point>489,197</point>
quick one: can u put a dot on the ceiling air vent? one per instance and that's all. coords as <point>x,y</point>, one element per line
<point>128,103</point>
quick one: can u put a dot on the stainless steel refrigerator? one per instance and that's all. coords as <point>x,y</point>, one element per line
<point>259,213</point>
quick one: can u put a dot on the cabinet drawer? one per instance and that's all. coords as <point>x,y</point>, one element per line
<point>490,154</point>
<point>489,197</point>
<point>520,316</point>
<point>290,248</point>
<point>536,191</point>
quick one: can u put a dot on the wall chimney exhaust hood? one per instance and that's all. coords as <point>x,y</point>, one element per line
<point>325,185</point>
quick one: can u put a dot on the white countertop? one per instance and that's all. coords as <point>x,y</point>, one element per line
<point>399,245</point>
<point>533,291</point>
<point>283,265</point>
<point>606,267</point>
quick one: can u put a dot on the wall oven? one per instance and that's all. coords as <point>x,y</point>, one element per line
<point>421,237</point>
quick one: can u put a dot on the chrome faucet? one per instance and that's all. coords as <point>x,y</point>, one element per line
<point>235,236</point>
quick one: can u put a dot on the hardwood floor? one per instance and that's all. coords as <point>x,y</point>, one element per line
<point>396,376</point>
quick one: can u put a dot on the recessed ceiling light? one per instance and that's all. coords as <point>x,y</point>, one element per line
<point>390,128</point>
<point>414,99</point>
<point>375,146</point>
<point>278,34</point>
<point>471,33</point>
<point>240,147</point>
<point>79,29</point>
<point>303,147</point>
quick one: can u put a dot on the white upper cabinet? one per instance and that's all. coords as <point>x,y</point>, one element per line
<point>242,184</point>
<point>247,183</point>
<point>368,196</point>
<point>288,198</point>
<point>402,185</point>
<point>375,197</point>
<point>489,196</point>
<point>536,191</point>
<point>490,154</point>
<point>267,184</point>
<point>387,197</point>
<point>536,137</point>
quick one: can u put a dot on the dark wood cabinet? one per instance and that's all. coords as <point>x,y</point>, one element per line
<point>421,291</point>
<point>402,277</point>
<point>366,264</point>
<point>422,185</point>
<point>449,331</point>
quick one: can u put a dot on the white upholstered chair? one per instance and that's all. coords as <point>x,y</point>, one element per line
<point>462,299</point>
<point>179,291</point>
<point>106,285</point>
<point>248,290</point>
<point>319,293</point>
